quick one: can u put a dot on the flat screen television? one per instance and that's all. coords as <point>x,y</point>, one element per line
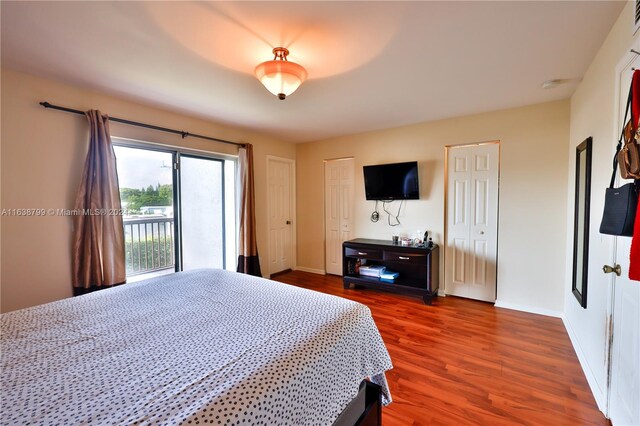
<point>397,181</point>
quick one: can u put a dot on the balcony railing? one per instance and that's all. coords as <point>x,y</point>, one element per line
<point>148,244</point>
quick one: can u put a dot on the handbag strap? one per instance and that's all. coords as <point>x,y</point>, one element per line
<point>619,146</point>
<point>635,101</point>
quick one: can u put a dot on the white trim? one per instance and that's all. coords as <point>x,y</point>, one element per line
<point>165,147</point>
<point>310,270</point>
<point>467,145</point>
<point>529,309</point>
<point>600,397</point>
<point>293,207</point>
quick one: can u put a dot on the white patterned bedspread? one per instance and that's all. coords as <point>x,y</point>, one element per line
<point>206,346</point>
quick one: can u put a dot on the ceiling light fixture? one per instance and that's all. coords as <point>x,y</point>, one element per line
<point>280,76</point>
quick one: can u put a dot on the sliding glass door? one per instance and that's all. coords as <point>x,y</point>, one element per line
<point>146,192</point>
<point>180,211</point>
<point>202,212</point>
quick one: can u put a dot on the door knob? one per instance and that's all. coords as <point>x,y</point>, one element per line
<point>481,232</point>
<point>288,222</point>
<point>609,269</point>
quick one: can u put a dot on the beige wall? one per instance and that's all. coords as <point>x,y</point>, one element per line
<point>594,113</point>
<point>532,206</point>
<point>43,153</point>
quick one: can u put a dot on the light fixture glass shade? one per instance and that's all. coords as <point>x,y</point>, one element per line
<point>281,78</point>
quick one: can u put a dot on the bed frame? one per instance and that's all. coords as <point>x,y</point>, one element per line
<point>363,410</point>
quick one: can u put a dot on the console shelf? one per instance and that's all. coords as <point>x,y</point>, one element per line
<point>418,267</point>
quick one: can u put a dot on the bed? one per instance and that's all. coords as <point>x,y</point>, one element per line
<point>205,346</point>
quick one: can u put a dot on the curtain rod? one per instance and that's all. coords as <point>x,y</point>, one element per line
<point>182,133</point>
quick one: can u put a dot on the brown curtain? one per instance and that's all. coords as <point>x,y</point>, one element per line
<point>98,236</point>
<point>248,260</point>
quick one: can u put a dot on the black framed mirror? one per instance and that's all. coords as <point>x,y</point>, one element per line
<point>581,222</point>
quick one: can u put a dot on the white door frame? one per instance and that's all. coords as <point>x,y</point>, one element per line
<point>292,199</point>
<point>446,204</point>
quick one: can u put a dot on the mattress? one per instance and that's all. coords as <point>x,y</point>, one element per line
<point>206,346</point>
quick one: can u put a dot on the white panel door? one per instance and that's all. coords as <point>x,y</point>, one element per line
<point>624,391</point>
<point>472,221</point>
<point>338,175</point>
<point>280,215</point>
<point>624,395</point>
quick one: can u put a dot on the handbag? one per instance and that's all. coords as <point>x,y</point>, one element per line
<point>629,155</point>
<point>620,204</point>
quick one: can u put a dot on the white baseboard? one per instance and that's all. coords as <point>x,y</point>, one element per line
<point>591,378</point>
<point>529,309</point>
<point>311,270</point>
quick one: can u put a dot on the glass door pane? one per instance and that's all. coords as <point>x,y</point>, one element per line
<point>231,234</point>
<point>202,212</point>
<point>146,191</point>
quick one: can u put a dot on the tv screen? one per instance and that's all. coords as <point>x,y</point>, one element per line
<point>397,181</point>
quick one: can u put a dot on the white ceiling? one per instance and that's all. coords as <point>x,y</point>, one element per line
<point>371,65</point>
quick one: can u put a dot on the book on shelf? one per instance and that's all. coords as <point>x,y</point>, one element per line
<point>372,270</point>
<point>389,276</point>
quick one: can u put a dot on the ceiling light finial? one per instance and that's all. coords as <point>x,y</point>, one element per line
<point>280,76</point>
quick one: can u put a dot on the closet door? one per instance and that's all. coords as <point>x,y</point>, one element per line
<point>624,391</point>
<point>280,206</point>
<point>338,189</point>
<point>472,221</point>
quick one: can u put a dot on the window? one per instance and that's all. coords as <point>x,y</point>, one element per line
<point>180,210</point>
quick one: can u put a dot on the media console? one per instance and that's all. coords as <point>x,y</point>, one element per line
<point>418,267</point>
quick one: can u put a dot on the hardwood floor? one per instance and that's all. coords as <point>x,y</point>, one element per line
<point>466,362</point>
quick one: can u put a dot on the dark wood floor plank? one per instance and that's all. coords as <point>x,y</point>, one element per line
<point>463,362</point>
